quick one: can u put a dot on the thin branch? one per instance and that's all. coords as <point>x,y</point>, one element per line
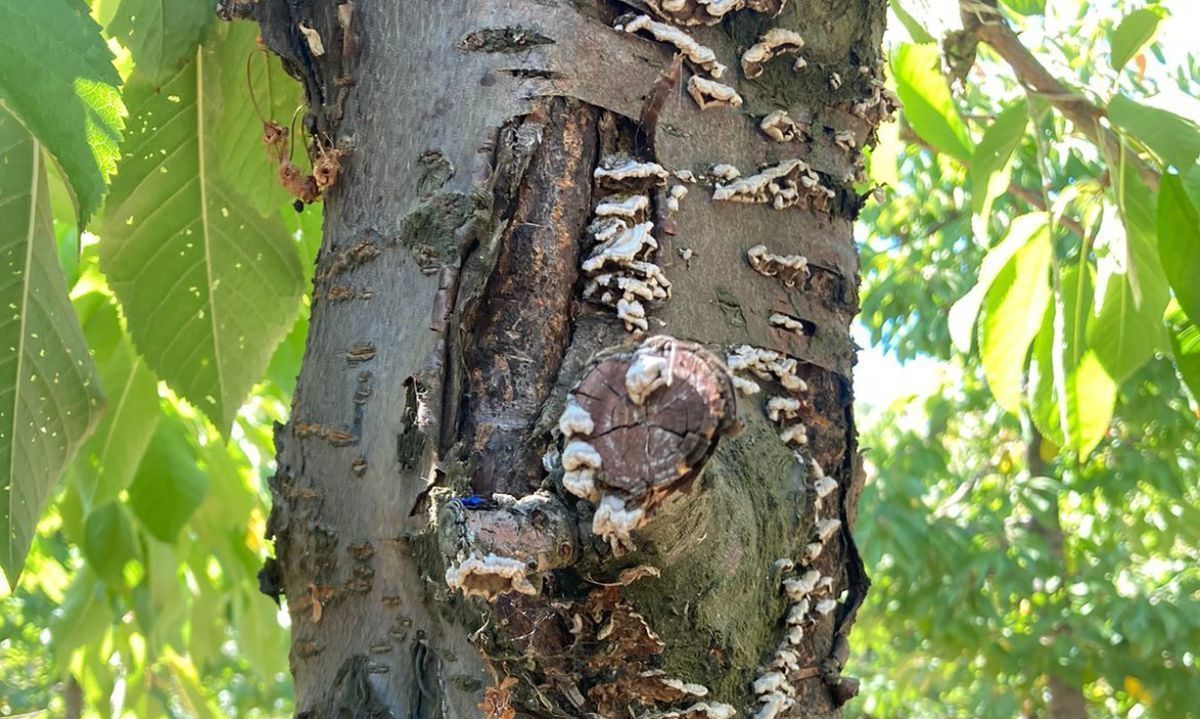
<point>986,22</point>
<point>1026,195</point>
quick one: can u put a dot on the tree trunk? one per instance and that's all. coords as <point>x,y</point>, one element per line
<point>1064,698</point>
<point>518,478</point>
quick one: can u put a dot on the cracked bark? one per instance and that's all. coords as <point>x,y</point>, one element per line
<point>453,246</point>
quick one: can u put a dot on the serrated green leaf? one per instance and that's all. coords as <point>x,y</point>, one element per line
<point>49,394</point>
<point>928,106</point>
<point>242,158</point>
<point>162,35</point>
<point>1133,33</point>
<point>57,77</point>
<point>208,286</point>
<point>108,541</point>
<point>1179,243</point>
<point>1027,7</point>
<point>108,460</point>
<point>1175,139</point>
<point>965,311</point>
<point>1013,312</point>
<point>1131,291</point>
<point>168,486</point>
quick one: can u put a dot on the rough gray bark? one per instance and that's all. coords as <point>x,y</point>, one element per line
<point>447,546</point>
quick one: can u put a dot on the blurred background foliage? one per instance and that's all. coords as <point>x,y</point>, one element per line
<point>1031,517</point>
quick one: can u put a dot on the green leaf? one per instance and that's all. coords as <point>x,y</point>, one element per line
<point>1013,312</point>
<point>915,29</point>
<point>49,395</point>
<point>1027,7</point>
<point>1071,396</point>
<point>965,311</point>
<point>1132,291</point>
<point>57,77</point>
<point>107,462</point>
<point>168,486</point>
<point>162,35</point>
<point>1173,138</point>
<point>1133,33</point>
<point>259,633</point>
<point>928,106</point>
<point>242,158</point>
<point>1185,344</point>
<point>208,286</point>
<point>990,167</point>
<point>84,616</point>
<point>109,541</point>
<point>1179,243</point>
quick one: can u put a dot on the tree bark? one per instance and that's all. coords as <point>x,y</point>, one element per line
<point>518,479</point>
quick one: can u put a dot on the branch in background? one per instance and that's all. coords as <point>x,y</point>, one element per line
<point>987,24</point>
<point>1033,198</point>
<point>1030,197</point>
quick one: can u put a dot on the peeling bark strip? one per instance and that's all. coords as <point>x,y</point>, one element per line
<point>482,477</point>
<point>519,336</point>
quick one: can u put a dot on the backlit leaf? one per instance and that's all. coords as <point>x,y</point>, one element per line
<point>1179,243</point>
<point>1013,314</point>
<point>57,77</point>
<point>1173,138</point>
<point>208,286</point>
<point>49,394</point>
<point>1133,33</point>
<point>965,311</point>
<point>161,34</point>
<point>1131,290</point>
<point>928,106</point>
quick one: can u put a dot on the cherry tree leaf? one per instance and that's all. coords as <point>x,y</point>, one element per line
<point>57,78</point>
<point>50,397</point>
<point>209,287</point>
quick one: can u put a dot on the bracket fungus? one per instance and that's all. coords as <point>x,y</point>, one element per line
<point>780,127</point>
<point>710,93</point>
<point>710,12</point>
<point>776,41</point>
<point>699,55</point>
<point>788,268</point>
<point>791,183</point>
<point>657,413</point>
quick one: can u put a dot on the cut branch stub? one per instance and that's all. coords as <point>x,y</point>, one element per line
<point>656,415</point>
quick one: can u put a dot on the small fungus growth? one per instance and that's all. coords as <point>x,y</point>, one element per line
<point>489,576</point>
<point>620,269</point>
<point>710,93</point>
<point>788,268</point>
<point>699,55</point>
<point>791,183</point>
<point>710,12</point>
<point>776,41</point>
<point>780,127</point>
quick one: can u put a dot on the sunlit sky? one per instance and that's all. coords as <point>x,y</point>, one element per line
<point>879,379</point>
